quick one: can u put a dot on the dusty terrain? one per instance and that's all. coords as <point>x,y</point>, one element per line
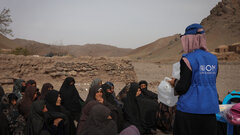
<point>48,70</point>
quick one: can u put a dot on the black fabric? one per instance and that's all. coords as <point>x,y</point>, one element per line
<point>1,92</point>
<point>98,122</point>
<point>4,129</point>
<point>51,99</point>
<point>14,120</point>
<point>131,108</point>
<point>140,111</point>
<point>108,96</point>
<point>45,89</point>
<point>31,82</point>
<point>12,97</point>
<point>182,85</point>
<point>26,102</point>
<point>70,96</point>
<point>92,92</point>
<point>35,122</point>
<point>59,112</point>
<point>85,114</point>
<point>148,111</point>
<point>194,124</point>
<point>149,94</point>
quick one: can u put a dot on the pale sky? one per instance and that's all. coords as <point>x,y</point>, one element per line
<point>121,23</point>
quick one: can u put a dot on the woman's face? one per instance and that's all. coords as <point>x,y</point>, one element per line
<point>100,83</point>
<point>34,96</point>
<point>44,108</point>
<point>99,93</point>
<point>58,102</point>
<point>50,88</point>
<point>138,92</point>
<point>71,83</point>
<point>13,102</point>
<point>112,89</point>
<point>143,86</point>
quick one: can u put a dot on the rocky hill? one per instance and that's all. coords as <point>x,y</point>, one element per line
<point>223,24</point>
<point>222,27</point>
<point>36,48</point>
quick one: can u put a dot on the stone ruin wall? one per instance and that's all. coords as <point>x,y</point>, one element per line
<point>55,69</point>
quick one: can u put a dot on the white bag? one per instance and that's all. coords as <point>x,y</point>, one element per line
<point>176,70</point>
<point>166,93</point>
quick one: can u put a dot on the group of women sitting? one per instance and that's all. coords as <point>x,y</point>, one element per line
<point>64,112</point>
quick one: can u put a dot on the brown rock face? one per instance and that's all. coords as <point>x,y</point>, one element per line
<point>222,26</point>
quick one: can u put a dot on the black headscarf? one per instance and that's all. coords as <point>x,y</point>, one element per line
<point>92,93</point>
<point>1,92</point>
<point>70,96</point>
<point>51,99</point>
<point>35,120</point>
<point>31,82</point>
<point>98,124</point>
<point>59,112</point>
<point>45,90</point>
<point>147,93</point>
<point>26,102</point>
<point>12,97</point>
<point>108,96</point>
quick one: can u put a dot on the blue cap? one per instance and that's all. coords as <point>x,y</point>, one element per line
<point>194,29</point>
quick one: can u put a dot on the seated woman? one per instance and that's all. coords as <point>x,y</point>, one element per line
<point>11,116</point>
<point>45,89</point>
<point>140,111</point>
<point>57,111</point>
<point>95,97</point>
<point>29,96</point>
<point>99,122</point>
<point>36,123</point>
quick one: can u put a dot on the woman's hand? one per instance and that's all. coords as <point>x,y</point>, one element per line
<point>57,121</point>
<point>172,82</point>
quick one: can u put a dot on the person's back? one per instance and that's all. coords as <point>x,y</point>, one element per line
<point>204,72</point>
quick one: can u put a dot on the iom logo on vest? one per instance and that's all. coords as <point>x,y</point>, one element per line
<point>207,69</point>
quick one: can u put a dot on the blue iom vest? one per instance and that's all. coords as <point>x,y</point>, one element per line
<point>201,97</point>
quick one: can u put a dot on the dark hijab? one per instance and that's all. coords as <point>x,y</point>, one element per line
<point>92,93</point>
<point>85,113</point>
<point>45,89</point>
<point>30,83</point>
<point>27,100</point>
<point>98,122</point>
<point>35,120</point>
<point>140,111</point>
<point>51,99</point>
<point>108,96</point>
<point>131,107</point>
<point>70,96</point>
<point>147,93</point>
<point>1,92</point>
<point>59,112</point>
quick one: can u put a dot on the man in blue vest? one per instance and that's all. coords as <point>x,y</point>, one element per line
<point>198,98</point>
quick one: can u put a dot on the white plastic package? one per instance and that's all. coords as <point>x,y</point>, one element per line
<point>166,93</point>
<point>176,70</point>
